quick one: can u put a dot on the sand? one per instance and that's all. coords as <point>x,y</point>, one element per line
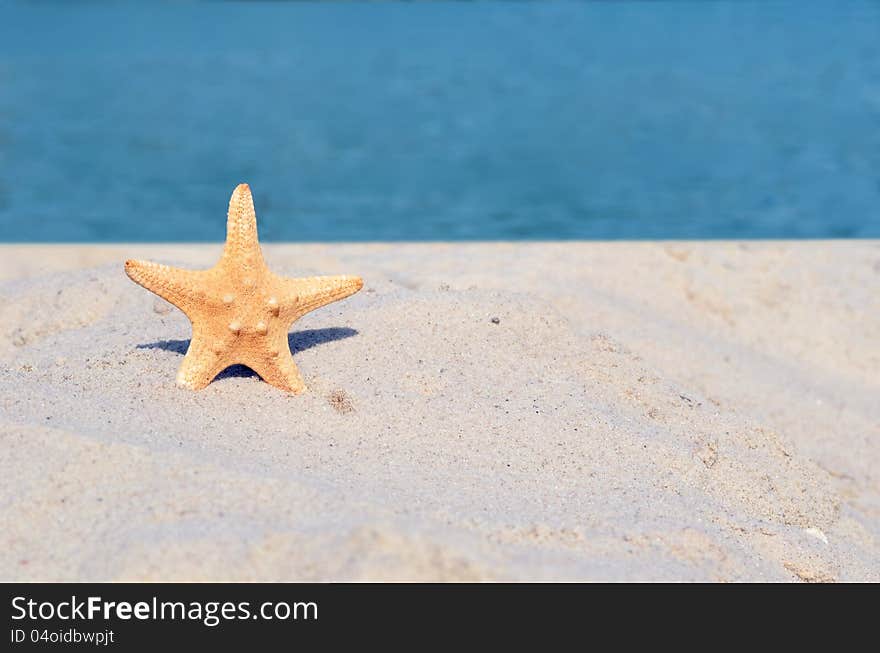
<point>543,411</point>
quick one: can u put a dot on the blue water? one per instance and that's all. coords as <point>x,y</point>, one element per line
<point>430,121</point>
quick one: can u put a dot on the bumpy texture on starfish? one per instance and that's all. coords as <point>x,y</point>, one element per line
<point>240,311</point>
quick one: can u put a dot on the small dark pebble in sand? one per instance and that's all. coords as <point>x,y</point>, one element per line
<point>18,338</point>
<point>340,402</point>
<point>495,320</point>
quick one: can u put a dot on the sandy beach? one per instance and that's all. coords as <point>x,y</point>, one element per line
<point>537,411</point>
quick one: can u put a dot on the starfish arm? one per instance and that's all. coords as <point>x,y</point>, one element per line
<point>201,363</point>
<point>280,371</point>
<point>299,296</point>
<point>241,228</point>
<point>180,287</point>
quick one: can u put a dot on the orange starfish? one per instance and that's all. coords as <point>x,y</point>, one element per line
<point>240,311</point>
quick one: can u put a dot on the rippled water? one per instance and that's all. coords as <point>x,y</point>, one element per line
<point>440,121</point>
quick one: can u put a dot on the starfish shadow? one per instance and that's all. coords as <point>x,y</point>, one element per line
<point>298,341</point>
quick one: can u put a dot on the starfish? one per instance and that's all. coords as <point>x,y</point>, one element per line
<point>240,311</point>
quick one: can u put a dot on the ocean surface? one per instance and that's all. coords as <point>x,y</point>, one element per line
<point>436,121</point>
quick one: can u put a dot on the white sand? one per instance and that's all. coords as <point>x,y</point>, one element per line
<point>683,411</point>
